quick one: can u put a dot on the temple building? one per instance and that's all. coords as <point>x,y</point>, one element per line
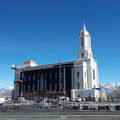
<point>78,78</point>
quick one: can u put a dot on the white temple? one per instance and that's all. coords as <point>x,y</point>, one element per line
<point>85,69</point>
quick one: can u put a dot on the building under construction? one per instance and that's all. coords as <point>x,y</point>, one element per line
<point>50,80</point>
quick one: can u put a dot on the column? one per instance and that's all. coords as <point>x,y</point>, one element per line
<point>59,77</point>
<point>29,83</point>
<point>64,79</point>
<point>72,80</point>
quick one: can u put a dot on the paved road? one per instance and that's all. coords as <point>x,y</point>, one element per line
<point>59,117</point>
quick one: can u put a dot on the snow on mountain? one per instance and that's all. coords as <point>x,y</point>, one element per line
<point>7,91</point>
<point>110,86</point>
<point>112,90</point>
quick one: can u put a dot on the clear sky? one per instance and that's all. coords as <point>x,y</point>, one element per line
<point>46,31</point>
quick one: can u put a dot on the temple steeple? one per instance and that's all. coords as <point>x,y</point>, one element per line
<point>84,28</point>
<point>85,51</point>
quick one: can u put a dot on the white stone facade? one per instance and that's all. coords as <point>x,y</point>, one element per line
<point>85,67</point>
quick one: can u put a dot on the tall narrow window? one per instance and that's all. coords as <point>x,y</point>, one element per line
<point>56,86</point>
<point>50,75</point>
<point>82,42</point>
<point>61,74</point>
<point>24,87</point>
<point>45,84</point>
<point>78,74</point>
<point>85,84</point>
<point>82,54</point>
<point>78,85</point>
<point>33,77</point>
<point>22,75</point>
<point>33,87</point>
<point>41,82</point>
<point>94,74</point>
<point>37,84</point>
<point>56,75</point>
<point>25,78</point>
<point>50,87</point>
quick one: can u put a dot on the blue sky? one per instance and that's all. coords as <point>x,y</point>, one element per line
<point>46,31</point>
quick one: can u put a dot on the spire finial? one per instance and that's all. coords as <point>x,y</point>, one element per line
<point>84,28</point>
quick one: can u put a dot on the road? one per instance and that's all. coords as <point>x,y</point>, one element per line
<point>59,117</point>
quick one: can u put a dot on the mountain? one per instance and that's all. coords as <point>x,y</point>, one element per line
<point>110,86</point>
<point>112,90</point>
<point>7,91</point>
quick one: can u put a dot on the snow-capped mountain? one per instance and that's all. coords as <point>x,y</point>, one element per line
<point>110,86</point>
<point>7,91</point>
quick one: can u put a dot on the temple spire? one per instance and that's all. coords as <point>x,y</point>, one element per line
<point>84,28</point>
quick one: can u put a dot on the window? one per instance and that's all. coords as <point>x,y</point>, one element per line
<point>28,86</point>
<point>38,84</point>
<point>56,75</point>
<point>41,82</point>
<point>50,87</point>
<point>22,75</point>
<point>33,77</point>
<point>38,75</point>
<point>45,75</point>
<point>33,87</point>
<point>45,84</point>
<point>61,74</point>
<point>94,74</point>
<point>25,78</point>
<point>82,54</point>
<point>78,85</point>
<point>82,42</point>
<point>29,78</point>
<point>55,86</point>
<point>78,74</point>
<point>50,75</point>
<point>85,84</point>
<point>24,87</point>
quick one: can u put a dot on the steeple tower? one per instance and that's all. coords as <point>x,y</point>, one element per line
<point>84,28</point>
<point>84,51</point>
<point>85,65</point>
